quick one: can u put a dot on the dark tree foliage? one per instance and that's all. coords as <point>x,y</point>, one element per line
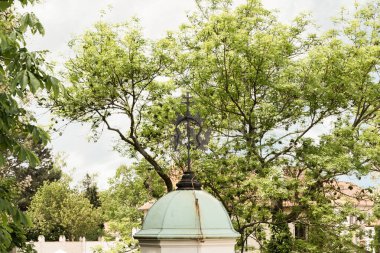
<point>281,238</point>
<point>90,190</point>
<point>12,234</point>
<point>30,177</point>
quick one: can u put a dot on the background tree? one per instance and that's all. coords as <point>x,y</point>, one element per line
<point>290,110</point>
<point>115,73</point>
<point>14,221</point>
<point>90,190</point>
<point>58,210</point>
<point>22,73</point>
<point>30,177</point>
<point>131,188</point>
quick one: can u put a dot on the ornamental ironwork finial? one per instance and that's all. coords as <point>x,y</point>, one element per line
<point>194,139</point>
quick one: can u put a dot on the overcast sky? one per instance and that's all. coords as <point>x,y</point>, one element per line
<point>65,19</point>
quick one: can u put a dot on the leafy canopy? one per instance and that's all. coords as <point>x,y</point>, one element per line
<point>22,74</point>
<point>57,210</point>
<point>290,111</point>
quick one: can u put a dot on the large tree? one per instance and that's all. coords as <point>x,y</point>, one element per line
<point>58,210</point>
<point>290,110</point>
<point>115,73</point>
<point>268,89</point>
<point>22,74</point>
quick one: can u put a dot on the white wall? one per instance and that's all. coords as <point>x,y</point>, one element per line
<point>71,247</point>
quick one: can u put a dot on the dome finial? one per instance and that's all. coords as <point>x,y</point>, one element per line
<point>188,181</point>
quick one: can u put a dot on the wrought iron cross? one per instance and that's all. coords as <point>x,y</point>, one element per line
<point>198,140</point>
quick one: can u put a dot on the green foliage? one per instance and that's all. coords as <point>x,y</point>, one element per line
<point>27,177</point>
<point>376,239</point>
<point>90,190</point>
<point>265,88</point>
<point>29,248</point>
<point>97,249</point>
<point>22,74</point>
<point>281,238</point>
<point>57,210</point>
<point>129,189</point>
<point>12,220</point>
<point>290,111</point>
<point>115,73</point>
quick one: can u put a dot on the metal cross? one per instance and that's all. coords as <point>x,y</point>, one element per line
<point>199,141</point>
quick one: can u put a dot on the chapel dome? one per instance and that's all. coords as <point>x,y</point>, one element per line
<point>187,214</point>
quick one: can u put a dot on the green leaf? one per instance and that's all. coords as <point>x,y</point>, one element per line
<point>40,28</point>
<point>24,80</point>
<point>32,158</point>
<point>56,89</point>
<point>15,82</point>
<point>30,20</point>
<point>24,22</point>
<point>51,82</point>
<point>25,220</point>
<point>22,154</point>
<point>34,84</point>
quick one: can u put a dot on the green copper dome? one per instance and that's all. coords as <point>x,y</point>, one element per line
<point>190,214</point>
